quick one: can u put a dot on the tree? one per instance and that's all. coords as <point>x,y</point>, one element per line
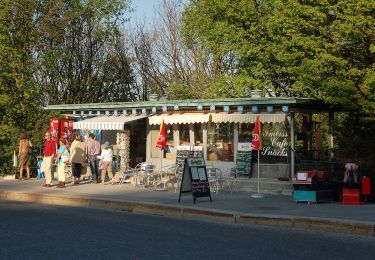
<point>19,106</point>
<point>166,63</point>
<point>79,44</point>
<point>58,51</point>
<point>307,48</point>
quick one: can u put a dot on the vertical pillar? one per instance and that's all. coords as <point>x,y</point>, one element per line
<point>305,137</point>
<point>235,142</point>
<point>148,143</point>
<point>176,138</point>
<point>204,129</point>
<point>292,146</point>
<point>310,136</point>
<point>191,135</point>
<point>123,148</point>
<point>331,118</point>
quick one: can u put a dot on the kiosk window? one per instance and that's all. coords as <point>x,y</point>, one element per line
<point>220,142</point>
<point>184,133</point>
<point>198,135</point>
<point>245,134</point>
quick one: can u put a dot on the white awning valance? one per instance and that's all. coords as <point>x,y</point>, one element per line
<point>179,119</point>
<point>248,118</point>
<point>107,122</point>
<point>216,118</point>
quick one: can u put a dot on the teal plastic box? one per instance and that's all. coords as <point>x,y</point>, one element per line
<point>313,195</point>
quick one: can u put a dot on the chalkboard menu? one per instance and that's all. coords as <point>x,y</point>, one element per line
<point>184,152</point>
<point>194,179</point>
<point>244,158</point>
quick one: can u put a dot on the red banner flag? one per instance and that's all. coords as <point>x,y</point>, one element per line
<point>161,142</point>
<point>256,142</point>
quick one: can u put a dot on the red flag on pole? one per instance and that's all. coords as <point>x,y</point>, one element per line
<point>256,142</point>
<point>161,142</point>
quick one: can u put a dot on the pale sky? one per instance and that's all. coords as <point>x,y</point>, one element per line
<point>144,10</point>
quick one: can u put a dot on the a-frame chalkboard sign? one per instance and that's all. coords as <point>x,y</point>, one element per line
<point>194,179</point>
<point>184,152</point>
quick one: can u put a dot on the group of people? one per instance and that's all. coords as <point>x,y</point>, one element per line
<point>78,153</point>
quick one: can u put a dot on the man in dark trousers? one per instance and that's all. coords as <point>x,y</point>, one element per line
<point>49,151</point>
<point>93,150</point>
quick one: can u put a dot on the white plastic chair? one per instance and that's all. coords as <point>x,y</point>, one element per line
<point>228,180</point>
<point>214,175</point>
<point>144,174</point>
<point>130,173</point>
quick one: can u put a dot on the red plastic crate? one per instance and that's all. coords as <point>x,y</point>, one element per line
<point>350,197</point>
<point>365,185</point>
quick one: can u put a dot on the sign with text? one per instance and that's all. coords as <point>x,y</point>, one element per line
<point>185,152</point>
<point>244,158</point>
<point>275,140</point>
<point>194,179</point>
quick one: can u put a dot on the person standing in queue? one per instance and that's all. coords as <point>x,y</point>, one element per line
<point>77,158</point>
<point>49,151</point>
<point>61,163</point>
<point>24,155</point>
<point>351,174</point>
<point>93,150</point>
<point>106,157</point>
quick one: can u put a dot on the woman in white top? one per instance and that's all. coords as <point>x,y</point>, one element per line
<point>351,174</point>
<point>106,162</point>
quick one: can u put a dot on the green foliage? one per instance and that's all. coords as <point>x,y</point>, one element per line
<point>306,48</point>
<point>320,49</point>
<point>58,52</point>
<point>354,134</point>
<point>80,51</point>
<point>19,104</point>
<point>231,86</point>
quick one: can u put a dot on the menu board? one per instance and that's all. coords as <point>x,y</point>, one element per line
<point>194,179</point>
<point>181,155</point>
<point>244,158</point>
<point>185,152</point>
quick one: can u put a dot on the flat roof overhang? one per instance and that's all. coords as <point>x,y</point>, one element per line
<point>294,104</point>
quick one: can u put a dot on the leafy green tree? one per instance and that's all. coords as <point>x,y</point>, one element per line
<point>19,105</point>
<point>79,55</point>
<point>58,51</point>
<point>304,48</point>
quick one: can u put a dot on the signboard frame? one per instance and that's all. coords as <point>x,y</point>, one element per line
<point>195,179</point>
<point>244,158</point>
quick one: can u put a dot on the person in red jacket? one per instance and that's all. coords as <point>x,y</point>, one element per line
<point>48,153</point>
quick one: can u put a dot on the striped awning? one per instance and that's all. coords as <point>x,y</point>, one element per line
<point>179,118</point>
<point>216,118</point>
<point>107,122</point>
<point>248,118</point>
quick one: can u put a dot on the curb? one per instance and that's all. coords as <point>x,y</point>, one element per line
<point>304,223</point>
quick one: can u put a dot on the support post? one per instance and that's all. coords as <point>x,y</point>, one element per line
<point>204,129</point>
<point>292,146</point>
<point>310,136</point>
<point>235,142</point>
<point>331,118</point>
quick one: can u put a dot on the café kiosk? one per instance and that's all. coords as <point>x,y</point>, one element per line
<point>194,179</point>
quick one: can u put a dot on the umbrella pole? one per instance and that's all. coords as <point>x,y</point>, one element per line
<point>258,195</point>
<point>161,168</point>
<point>162,180</point>
<point>258,172</point>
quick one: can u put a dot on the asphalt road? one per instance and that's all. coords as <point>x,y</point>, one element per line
<point>34,231</point>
